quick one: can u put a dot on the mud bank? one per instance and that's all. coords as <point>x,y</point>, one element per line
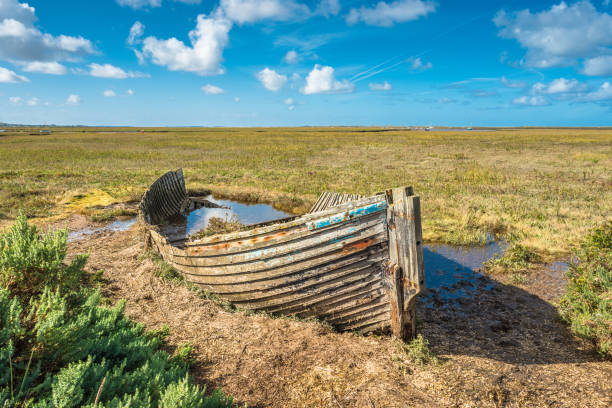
<point>503,346</point>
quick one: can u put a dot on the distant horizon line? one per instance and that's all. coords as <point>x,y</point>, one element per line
<point>391,127</point>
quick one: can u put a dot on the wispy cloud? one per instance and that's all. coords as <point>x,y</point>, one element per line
<point>385,86</point>
<point>209,89</point>
<point>111,71</point>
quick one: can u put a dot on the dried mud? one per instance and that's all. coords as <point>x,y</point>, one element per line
<point>505,347</point>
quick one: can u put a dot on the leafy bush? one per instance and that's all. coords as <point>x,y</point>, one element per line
<point>587,303</point>
<point>418,351</point>
<point>30,261</point>
<point>58,349</point>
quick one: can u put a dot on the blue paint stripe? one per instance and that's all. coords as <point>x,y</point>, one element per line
<point>344,216</point>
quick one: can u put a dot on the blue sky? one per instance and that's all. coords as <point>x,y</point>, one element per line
<point>299,62</point>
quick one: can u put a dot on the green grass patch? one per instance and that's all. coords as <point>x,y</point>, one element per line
<point>548,185</point>
<point>60,347</point>
<point>517,259</point>
<point>587,303</point>
<point>106,215</point>
<point>418,351</point>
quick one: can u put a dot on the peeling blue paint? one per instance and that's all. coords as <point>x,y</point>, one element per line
<point>345,216</point>
<point>334,241</point>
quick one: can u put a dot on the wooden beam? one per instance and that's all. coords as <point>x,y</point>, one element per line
<point>406,271</point>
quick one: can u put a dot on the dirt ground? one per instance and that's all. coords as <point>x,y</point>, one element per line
<point>506,347</point>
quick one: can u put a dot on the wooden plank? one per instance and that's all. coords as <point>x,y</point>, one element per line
<point>312,305</point>
<point>406,251</point>
<point>329,200</point>
<point>261,268</point>
<point>293,223</point>
<point>278,286</point>
<point>355,262</point>
<point>329,236</point>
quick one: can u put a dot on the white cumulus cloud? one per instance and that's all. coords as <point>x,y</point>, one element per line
<point>8,76</point>
<point>21,40</point>
<point>73,100</point>
<point>271,79</point>
<point>52,68</point>
<point>14,100</point>
<point>130,92</point>
<point>34,101</point>
<point>136,32</point>
<point>109,93</point>
<point>250,11</point>
<point>559,36</point>
<point>387,14</point>
<point>291,57</point>
<point>203,57</point>
<point>604,93</point>
<point>322,80</point>
<point>385,86</point>
<point>559,86</point>
<point>209,89</point>
<point>598,66</point>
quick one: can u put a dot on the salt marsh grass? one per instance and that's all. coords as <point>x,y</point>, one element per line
<point>546,187</point>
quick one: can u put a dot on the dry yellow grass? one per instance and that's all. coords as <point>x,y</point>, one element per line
<point>545,187</point>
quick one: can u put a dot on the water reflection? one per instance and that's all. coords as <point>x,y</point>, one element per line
<point>247,214</point>
<point>452,272</point>
<point>119,225</point>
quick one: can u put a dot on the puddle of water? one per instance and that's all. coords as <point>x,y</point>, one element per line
<point>119,225</point>
<point>559,266</point>
<point>247,214</point>
<point>451,272</point>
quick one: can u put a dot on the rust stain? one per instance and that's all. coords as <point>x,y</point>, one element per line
<point>225,245</point>
<point>237,244</point>
<point>409,284</point>
<point>358,246</point>
<point>194,251</point>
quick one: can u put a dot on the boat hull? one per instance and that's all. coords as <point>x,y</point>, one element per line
<point>334,264</point>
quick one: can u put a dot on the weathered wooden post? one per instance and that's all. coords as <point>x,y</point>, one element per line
<point>406,269</point>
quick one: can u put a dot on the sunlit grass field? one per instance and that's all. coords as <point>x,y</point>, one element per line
<point>543,188</point>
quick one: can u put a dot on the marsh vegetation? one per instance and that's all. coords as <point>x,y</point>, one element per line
<point>546,187</point>
<point>540,191</point>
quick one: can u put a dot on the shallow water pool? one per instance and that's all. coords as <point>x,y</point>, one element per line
<point>247,214</point>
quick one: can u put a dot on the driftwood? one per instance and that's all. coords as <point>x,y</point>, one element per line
<point>355,262</point>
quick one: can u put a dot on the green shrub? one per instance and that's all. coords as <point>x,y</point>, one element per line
<point>10,329</point>
<point>587,303</point>
<point>30,261</point>
<point>418,351</point>
<point>60,349</point>
<point>184,355</point>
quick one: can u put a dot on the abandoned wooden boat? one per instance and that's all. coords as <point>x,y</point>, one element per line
<point>354,262</point>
